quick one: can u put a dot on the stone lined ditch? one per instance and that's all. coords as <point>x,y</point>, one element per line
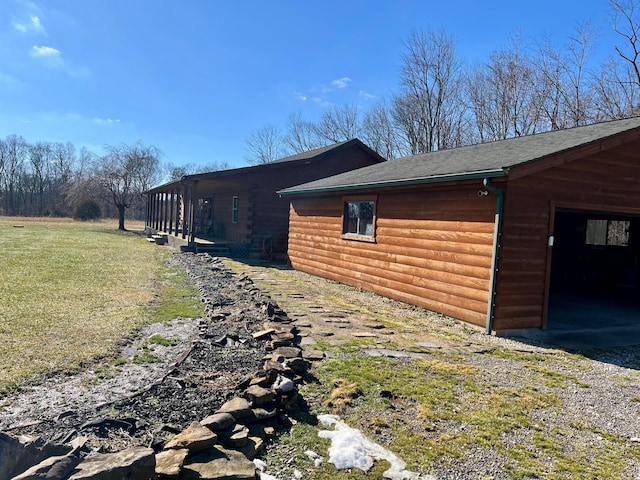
<point>222,390</point>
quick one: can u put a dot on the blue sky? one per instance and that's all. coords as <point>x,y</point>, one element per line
<point>195,77</point>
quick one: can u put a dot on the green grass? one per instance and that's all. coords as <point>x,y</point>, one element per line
<point>438,392</point>
<point>70,293</point>
<point>177,298</point>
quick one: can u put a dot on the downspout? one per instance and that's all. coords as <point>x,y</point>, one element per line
<point>496,251</point>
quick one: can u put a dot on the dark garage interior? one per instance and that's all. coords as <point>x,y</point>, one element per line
<point>594,271</point>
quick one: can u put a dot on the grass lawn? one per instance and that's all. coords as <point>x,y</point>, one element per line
<point>70,292</point>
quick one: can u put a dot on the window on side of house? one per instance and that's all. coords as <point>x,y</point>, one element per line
<point>358,218</point>
<point>234,210</point>
<point>607,232</point>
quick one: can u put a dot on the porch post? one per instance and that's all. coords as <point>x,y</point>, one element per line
<point>171,195</point>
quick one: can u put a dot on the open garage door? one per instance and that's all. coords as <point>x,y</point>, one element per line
<point>595,275</point>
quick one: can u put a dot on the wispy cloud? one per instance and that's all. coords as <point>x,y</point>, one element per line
<point>366,95</point>
<point>341,82</point>
<point>105,121</point>
<point>52,58</point>
<point>321,101</point>
<point>45,52</point>
<point>33,25</point>
<point>319,93</point>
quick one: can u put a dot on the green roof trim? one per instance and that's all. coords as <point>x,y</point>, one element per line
<point>503,172</point>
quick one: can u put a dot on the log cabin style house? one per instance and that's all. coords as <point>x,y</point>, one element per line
<point>492,234</point>
<point>237,211</point>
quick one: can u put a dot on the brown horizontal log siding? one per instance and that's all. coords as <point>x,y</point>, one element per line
<point>432,247</point>
<point>223,210</point>
<point>606,181</point>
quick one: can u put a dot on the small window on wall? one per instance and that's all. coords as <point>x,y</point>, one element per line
<point>234,210</point>
<point>359,219</point>
<point>608,232</point>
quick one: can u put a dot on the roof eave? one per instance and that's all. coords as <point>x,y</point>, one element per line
<point>503,172</point>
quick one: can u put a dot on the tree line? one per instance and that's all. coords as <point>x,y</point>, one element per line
<point>53,179</point>
<point>443,102</point>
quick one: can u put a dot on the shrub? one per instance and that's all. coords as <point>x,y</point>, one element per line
<point>87,210</point>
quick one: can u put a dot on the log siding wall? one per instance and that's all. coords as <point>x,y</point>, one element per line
<point>432,248</point>
<point>607,181</point>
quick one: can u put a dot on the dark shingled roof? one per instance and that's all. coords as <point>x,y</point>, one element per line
<point>481,160</point>
<point>303,157</point>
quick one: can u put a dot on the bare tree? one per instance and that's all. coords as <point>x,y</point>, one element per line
<point>301,135</point>
<point>15,152</point>
<point>429,108</point>
<point>40,156</point>
<point>379,131</point>
<point>565,88</point>
<point>626,23</point>
<point>504,96</point>
<point>264,145</point>
<point>615,96</point>
<point>125,172</point>
<point>339,123</point>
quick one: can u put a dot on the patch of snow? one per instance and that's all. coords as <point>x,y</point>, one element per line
<point>351,449</point>
<point>283,384</point>
<point>260,465</point>
<point>266,476</point>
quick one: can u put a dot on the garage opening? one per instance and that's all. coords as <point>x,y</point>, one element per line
<point>595,280</point>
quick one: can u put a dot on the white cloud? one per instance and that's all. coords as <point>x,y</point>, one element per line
<point>105,121</point>
<point>32,25</point>
<point>46,52</point>
<point>341,82</point>
<point>366,95</point>
<point>300,96</point>
<point>320,101</point>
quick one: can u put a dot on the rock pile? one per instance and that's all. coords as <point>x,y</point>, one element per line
<point>220,445</point>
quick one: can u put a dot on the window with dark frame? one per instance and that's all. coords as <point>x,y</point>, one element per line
<point>359,218</point>
<point>234,210</point>
<point>603,232</point>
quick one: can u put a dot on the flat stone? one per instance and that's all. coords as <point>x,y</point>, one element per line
<point>263,414</point>
<point>236,438</point>
<point>298,365</point>
<point>323,333</point>
<point>237,406</point>
<point>374,326</point>
<point>282,336</point>
<point>279,328</point>
<point>137,463</point>
<point>258,395</point>
<point>307,341</point>
<point>272,365</point>
<point>338,321</point>
<point>219,464</point>
<point>170,462</point>
<point>195,437</point>
<point>428,345</point>
<point>218,421</point>
<point>263,333</point>
<point>288,352</point>
<point>364,334</point>
<point>57,467</point>
<point>302,323</point>
<point>312,355</point>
